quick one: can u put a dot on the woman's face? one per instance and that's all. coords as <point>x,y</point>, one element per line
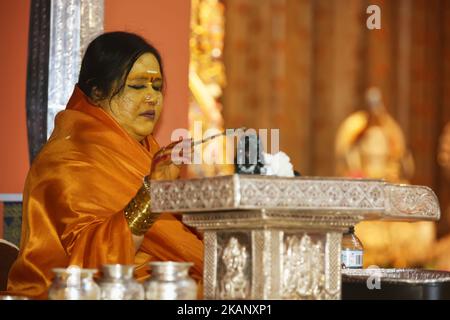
<point>138,105</point>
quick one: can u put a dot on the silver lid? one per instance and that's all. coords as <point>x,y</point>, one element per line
<point>8,297</point>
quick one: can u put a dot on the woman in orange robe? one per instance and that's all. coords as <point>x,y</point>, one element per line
<point>92,167</point>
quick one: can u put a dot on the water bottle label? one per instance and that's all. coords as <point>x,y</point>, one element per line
<point>352,258</point>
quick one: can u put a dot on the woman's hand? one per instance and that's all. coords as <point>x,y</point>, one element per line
<point>165,166</point>
<point>168,160</point>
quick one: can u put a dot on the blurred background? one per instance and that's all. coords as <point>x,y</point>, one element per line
<point>348,101</point>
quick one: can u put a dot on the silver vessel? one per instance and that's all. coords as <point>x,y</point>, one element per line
<point>74,283</point>
<point>170,281</point>
<point>118,283</point>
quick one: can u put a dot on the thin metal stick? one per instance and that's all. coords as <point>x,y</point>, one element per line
<point>213,137</point>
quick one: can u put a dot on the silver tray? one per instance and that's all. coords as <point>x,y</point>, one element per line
<point>396,276</point>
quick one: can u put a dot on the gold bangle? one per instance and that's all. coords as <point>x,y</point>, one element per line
<point>138,212</point>
<point>146,183</point>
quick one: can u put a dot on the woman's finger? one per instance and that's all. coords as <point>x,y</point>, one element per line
<point>160,159</point>
<point>175,143</point>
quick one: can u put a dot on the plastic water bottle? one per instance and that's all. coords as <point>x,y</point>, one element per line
<point>352,250</point>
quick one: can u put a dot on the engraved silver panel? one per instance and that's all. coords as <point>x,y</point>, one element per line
<point>333,265</point>
<point>259,264</point>
<point>410,202</point>
<point>209,264</point>
<point>92,20</point>
<point>262,218</point>
<point>303,267</point>
<point>273,264</point>
<point>234,268</point>
<point>261,243</point>
<point>74,23</point>
<point>368,199</point>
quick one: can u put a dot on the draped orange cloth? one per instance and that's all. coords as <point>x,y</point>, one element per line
<point>73,203</point>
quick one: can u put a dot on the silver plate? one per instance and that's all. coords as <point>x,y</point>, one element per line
<point>396,276</point>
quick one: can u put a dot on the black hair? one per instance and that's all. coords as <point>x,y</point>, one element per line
<point>108,61</point>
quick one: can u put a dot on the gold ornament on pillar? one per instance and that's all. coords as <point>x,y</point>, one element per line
<point>441,251</point>
<point>444,150</point>
<point>206,81</point>
<point>371,144</point>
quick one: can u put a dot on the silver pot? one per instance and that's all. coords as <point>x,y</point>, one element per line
<point>74,283</point>
<point>118,283</point>
<point>170,281</point>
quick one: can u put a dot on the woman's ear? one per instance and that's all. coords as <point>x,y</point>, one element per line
<point>96,94</point>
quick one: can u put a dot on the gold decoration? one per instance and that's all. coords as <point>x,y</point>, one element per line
<point>206,80</point>
<point>444,150</point>
<point>441,251</point>
<point>138,212</point>
<point>370,144</point>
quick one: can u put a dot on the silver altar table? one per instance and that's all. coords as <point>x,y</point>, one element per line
<point>280,238</point>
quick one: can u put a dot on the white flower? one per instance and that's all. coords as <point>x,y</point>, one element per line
<point>278,164</point>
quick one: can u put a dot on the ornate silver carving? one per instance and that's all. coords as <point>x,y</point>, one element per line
<point>64,60</point>
<point>282,265</point>
<point>273,264</point>
<point>234,284</point>
<point>209,264</point>
<point>303,268</point>
<point>259,260</point>
<point>204,194</point>
<point>333,265</point>
<point>371,199</point>
<point>412,202</point>
<point>73,24</point>
<point>291,247</point>
<point>92,18</point>
<point>261,218</point>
